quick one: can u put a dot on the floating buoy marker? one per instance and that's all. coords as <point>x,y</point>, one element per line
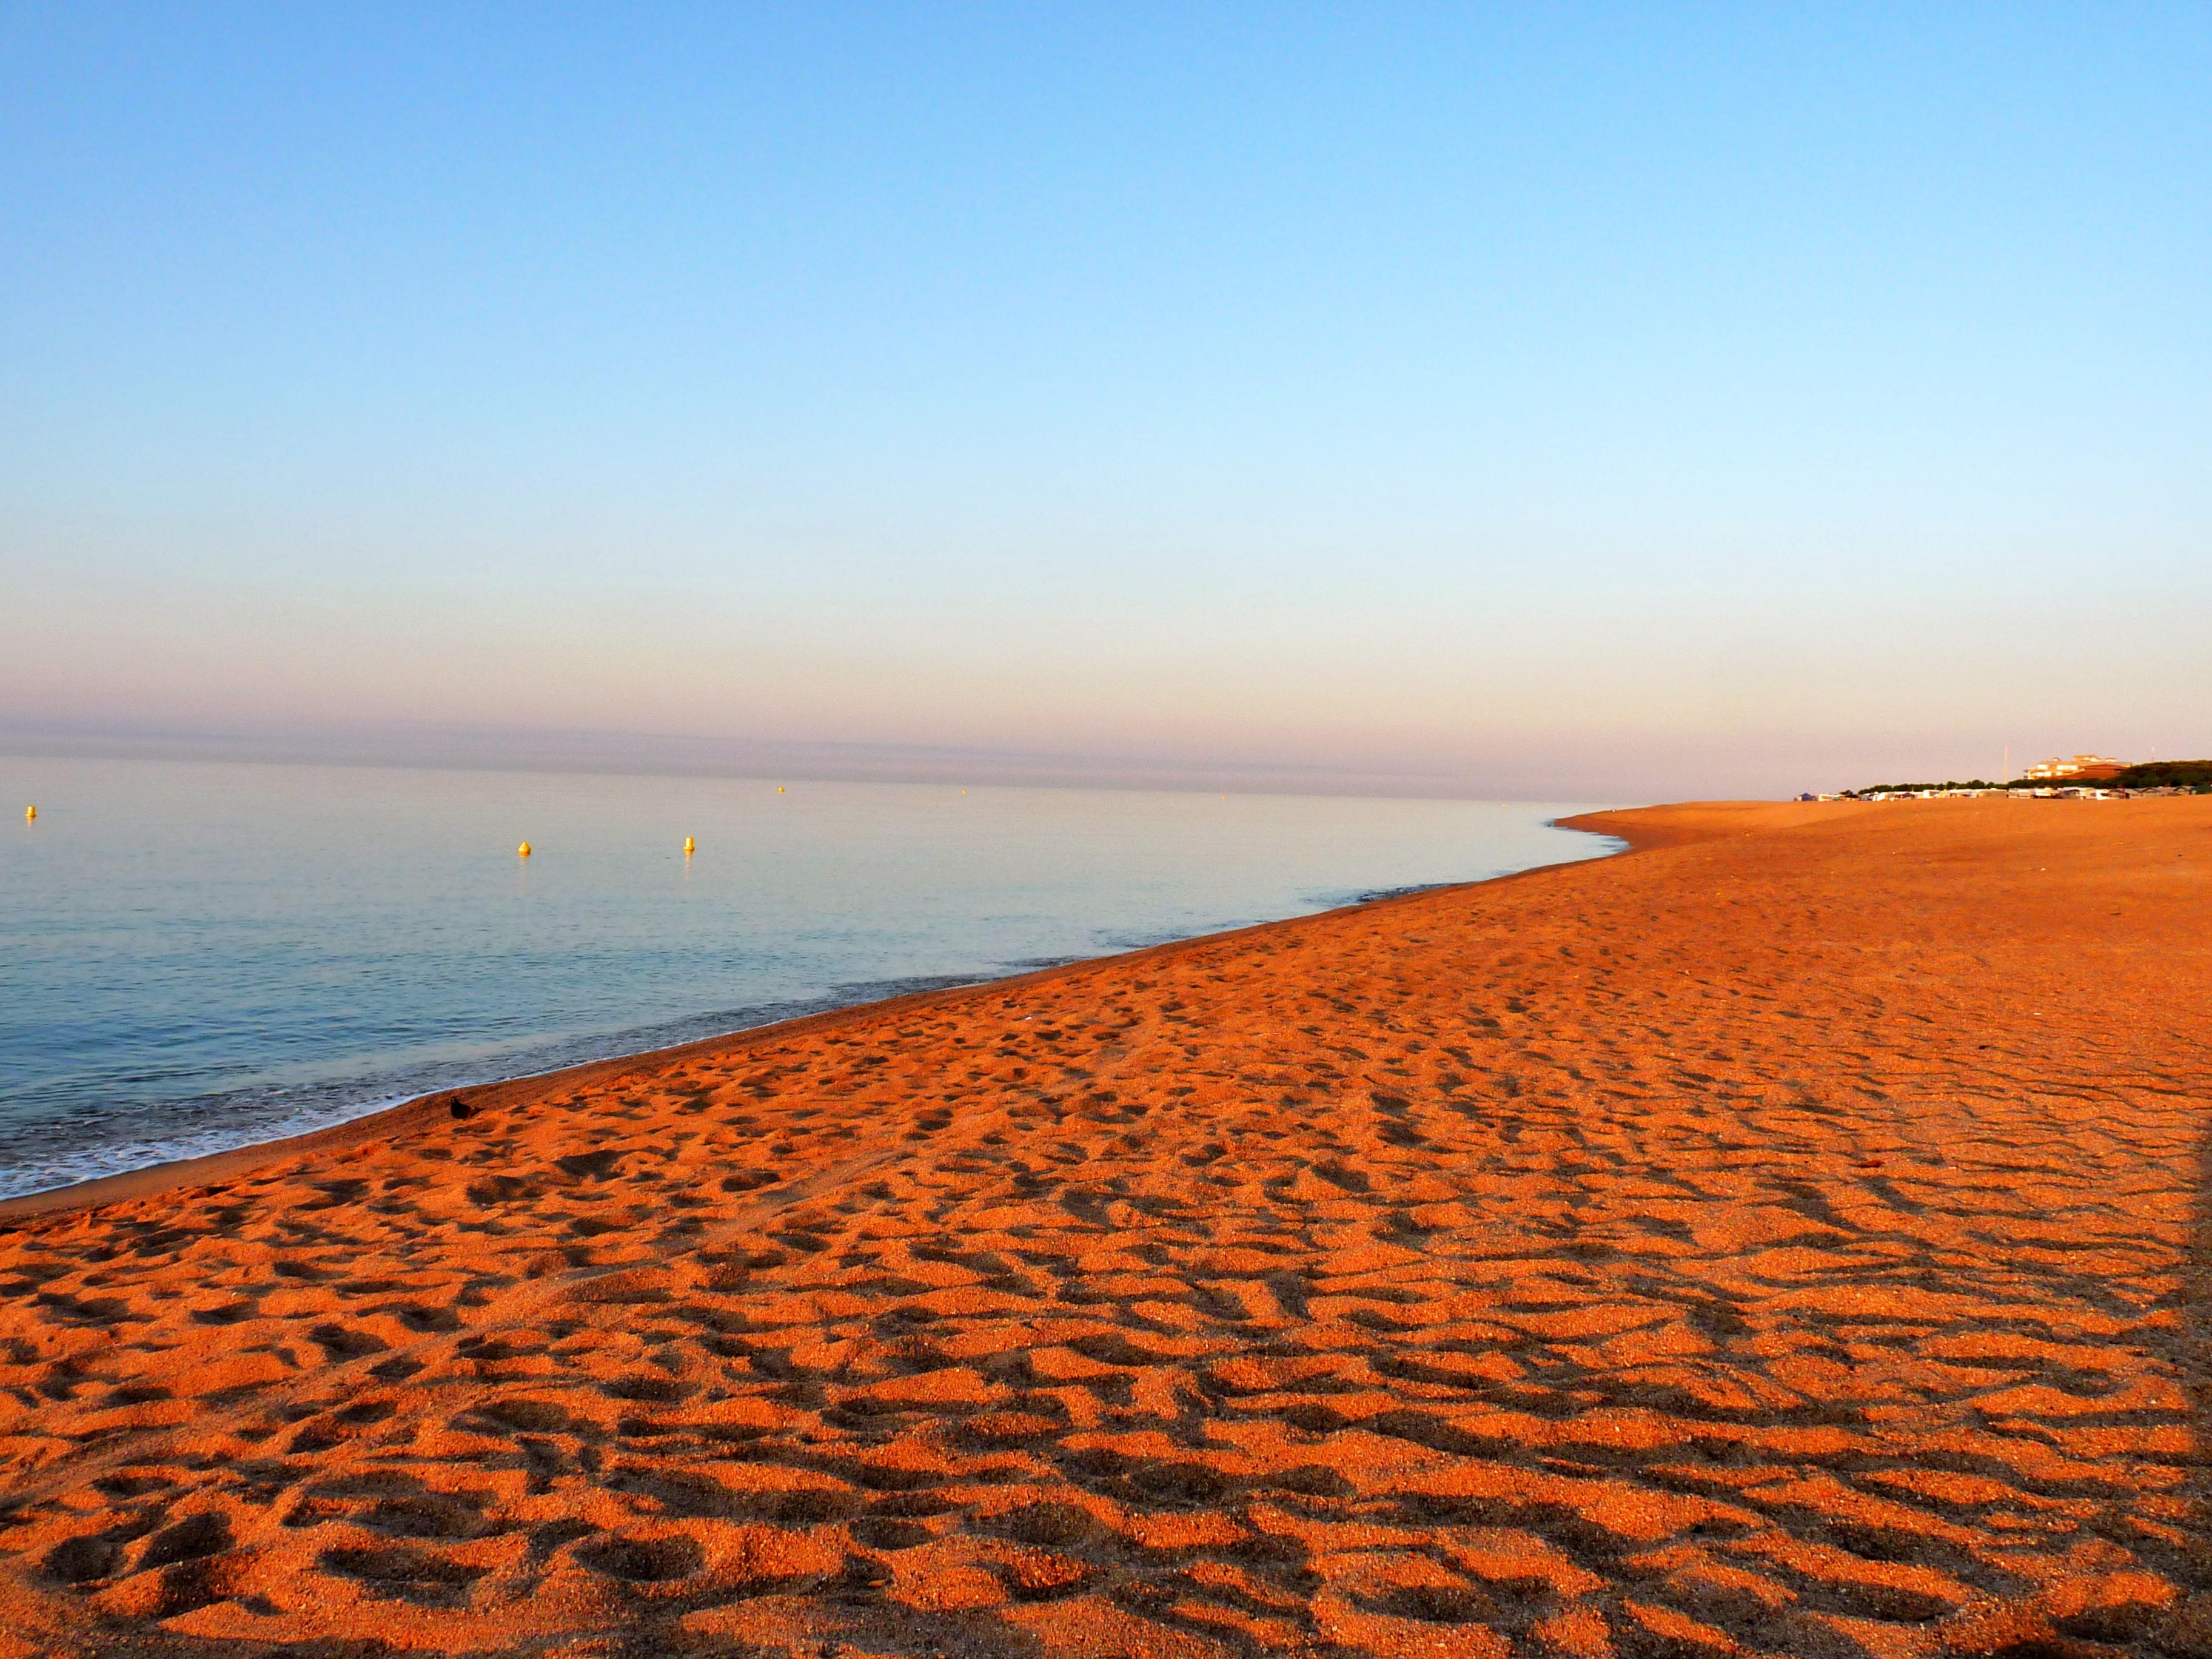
<point>779,789</point>
<point>688,847</point>
<point>30,812</point>
<point>523,851</point>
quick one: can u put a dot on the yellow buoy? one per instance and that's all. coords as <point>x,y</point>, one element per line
<point>30,812</point>
<point>779,789</point>
<point>689,845</point>
<point>523,851</point>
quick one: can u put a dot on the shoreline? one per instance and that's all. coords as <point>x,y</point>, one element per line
<point>426,1110</point>
<point>1783,1239</point>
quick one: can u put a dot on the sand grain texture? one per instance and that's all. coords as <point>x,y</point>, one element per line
<point>1776,1241</point>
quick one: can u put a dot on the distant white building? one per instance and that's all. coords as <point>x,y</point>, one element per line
<point>2094,766</point>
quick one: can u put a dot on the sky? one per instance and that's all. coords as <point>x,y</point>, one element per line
<point>1565,401</point>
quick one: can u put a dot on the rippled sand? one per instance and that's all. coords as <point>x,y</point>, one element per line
<point>1774,1241</point>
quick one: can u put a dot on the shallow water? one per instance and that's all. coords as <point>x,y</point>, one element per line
<point>194,957</point>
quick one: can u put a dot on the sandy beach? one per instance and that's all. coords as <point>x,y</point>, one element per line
<point>1778,1239</point>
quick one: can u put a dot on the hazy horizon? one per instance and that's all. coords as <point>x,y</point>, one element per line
<point>1524,778</point>
<point>1588,403</point>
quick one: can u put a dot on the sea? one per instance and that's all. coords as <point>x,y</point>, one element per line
<point>195,956</point>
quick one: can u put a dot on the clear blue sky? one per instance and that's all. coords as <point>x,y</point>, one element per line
<point>1561,399</point>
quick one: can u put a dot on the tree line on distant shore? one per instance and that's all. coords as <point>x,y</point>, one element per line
<point>2151,775</point>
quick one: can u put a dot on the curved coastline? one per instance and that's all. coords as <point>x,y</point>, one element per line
<point>1387,1211</point>
<point>211,1169</point>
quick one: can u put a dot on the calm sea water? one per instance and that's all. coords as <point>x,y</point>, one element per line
<point>195,956</point>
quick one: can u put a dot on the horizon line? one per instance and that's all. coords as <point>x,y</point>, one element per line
<point>443,747</point>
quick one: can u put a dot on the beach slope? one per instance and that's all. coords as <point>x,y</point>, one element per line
<point>1778,1239</point>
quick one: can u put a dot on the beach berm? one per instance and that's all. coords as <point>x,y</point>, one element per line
<point>1781,1239</point>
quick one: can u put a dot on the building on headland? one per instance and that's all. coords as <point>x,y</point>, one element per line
<point>2081,768</point>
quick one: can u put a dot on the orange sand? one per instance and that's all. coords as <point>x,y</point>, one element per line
<point>1775,1241</point>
